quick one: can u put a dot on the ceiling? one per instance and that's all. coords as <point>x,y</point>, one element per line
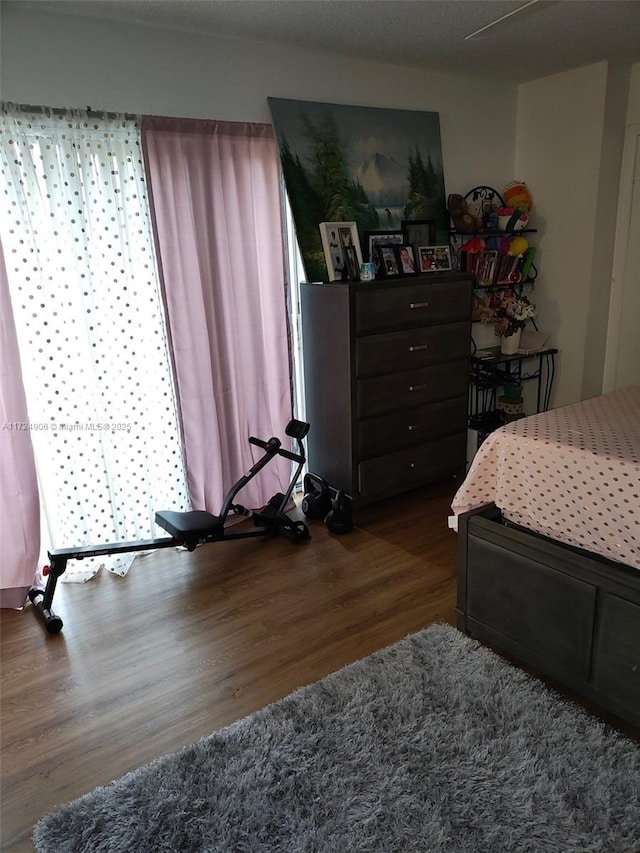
<point>547,37</point>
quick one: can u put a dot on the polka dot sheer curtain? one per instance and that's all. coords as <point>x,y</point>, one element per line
<point>85,294</point>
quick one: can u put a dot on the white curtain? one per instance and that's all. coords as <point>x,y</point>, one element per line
<point>82,273</point>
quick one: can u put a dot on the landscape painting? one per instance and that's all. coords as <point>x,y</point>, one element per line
<point>369,165</point>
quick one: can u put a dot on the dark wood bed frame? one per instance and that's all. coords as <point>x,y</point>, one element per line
<point>565,613</point>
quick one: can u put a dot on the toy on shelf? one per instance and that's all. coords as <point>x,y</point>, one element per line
<point>517,246</point>
<point>464,221</point>
<point>487,235</point>
<point>483,202</point>
<point>511,403</point>
<point>511,219</point>
<point>517,195</point>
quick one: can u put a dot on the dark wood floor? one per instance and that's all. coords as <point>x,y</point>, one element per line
<point>187,643</point>
<point>190,642</point>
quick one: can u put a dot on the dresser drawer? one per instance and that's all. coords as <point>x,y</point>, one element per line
<point>396,431</point>
<point>411,348</point>
<point>405,469</point>
<point>418,304</point>
<point>411,388</point>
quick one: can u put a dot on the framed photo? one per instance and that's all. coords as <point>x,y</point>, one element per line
<point>342,252</point>
<point>434,258</point>
<point>407,259</point>
<point>486,268</point>
<point>351,263</point>
<point>418,232</point>
<point>388,261</point>
<point>372,239</point>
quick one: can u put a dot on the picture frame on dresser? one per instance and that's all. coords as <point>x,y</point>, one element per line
<point>388,265</point>
<point>338,241</point>
<point>419,232</point>
<point>351,271</point>
<point>434,258</point>
<point>407,259</point>
<point>371,239</point>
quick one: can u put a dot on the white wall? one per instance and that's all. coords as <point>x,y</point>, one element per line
<point>613,140</point>
<point>622,364</point>
<point>569,138</point>
<point>633,113</point>
<point>70,61</point>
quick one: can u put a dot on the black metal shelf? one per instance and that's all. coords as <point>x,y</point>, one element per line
<point>492,233</point>
<point>490,372</point>
<point>490,288</point>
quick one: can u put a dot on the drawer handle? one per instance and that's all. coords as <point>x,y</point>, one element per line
<point>411,465</point>
<point>418,305</point>
<point>417,387</point>
<point>419,347</point>
<point>411,427</point>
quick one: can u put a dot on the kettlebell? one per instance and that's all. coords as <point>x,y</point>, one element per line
<point>340,518</point>
<point>316,502</point>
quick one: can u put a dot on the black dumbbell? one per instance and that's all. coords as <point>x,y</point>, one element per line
<point>340,518</point>
<point>316,502</point>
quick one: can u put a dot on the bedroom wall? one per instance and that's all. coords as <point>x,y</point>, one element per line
<point>550,132</point>
<point>569,140</point>
<point>71,61</point>
<point>622,361</point>
<point>633,112</point>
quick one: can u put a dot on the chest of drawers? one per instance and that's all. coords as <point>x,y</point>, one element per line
<point>386,372</point>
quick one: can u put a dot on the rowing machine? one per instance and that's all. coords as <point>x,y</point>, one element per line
<point>196,527</point>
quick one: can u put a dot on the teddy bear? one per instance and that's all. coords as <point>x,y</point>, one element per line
<point>463,220</point>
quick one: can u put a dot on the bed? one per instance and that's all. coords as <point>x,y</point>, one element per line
<point>548,520</point>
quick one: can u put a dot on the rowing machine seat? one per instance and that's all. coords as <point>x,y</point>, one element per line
<point>190,527</point>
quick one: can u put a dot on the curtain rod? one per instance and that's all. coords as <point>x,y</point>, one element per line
<point>63,111</point>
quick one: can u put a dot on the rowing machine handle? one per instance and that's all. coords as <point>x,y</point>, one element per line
<point>272,445</point>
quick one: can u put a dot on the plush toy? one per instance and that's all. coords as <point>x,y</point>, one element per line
<point>518,195</point>
<point>518,246</point>
<point>512,219</point>
<point>463,220</point>
<point>476,244</point>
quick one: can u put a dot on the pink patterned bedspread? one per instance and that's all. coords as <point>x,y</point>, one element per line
<point>572,474</point>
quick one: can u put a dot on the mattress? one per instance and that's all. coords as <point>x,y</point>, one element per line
<point>572,474</point>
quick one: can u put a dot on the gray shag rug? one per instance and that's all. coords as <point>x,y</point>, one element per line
<point>433,744</point>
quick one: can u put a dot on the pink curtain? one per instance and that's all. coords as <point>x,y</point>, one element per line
<point>19,503</point>
<point>215,198</point>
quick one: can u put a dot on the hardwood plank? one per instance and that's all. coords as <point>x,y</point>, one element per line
<point>188,643</point>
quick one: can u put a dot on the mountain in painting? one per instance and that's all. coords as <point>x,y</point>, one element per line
<point>384,180</point>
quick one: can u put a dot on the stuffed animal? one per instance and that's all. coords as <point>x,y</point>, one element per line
<point>512,219</point>
<point>463,220</point>
<point>517,194</point>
